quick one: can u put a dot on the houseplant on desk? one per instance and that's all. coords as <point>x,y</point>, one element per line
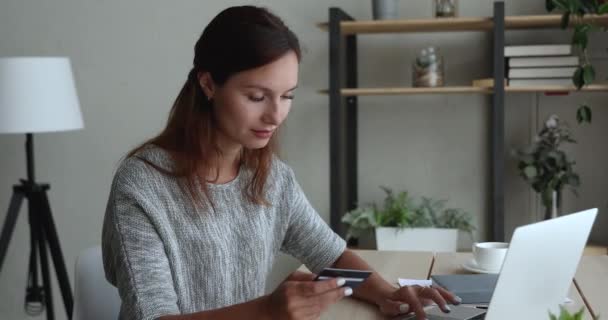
<point>547,168</point>
<point>565,315</point>
<point>401,224</point>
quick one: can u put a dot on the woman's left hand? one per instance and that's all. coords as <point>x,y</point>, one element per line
<point>413,299</point>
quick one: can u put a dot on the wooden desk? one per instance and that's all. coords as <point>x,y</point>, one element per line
<point>592,279</point>
<point>591,276</point>
<point>391,265</point>
<point>449,263</point>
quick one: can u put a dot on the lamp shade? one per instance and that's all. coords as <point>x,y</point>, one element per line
<point>37,94</point>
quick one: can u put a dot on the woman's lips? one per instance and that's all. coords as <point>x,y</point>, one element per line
<point>263,134</point>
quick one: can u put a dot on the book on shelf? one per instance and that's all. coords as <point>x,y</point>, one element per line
<point>562,82</point>
<point>555,72</point>
<point>538,50</point>
<point>485,82</point>
<point>543,61</point>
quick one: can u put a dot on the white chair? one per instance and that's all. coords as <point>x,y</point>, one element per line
<point>94,297</point>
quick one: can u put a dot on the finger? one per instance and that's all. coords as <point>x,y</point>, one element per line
<point>454,299</point>
<point>301,276</point>
<point>408,295</point>
<point>314,288</point>
<point>433,294</point>
<point>393,308</point>
<point>328,298</point>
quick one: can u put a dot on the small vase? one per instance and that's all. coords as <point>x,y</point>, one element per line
<point>385,9</point>
<point>552,207</point>
<point>427,69</point>
<point>445,8</point>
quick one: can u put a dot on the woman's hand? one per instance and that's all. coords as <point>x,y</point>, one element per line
<point>413,299</point>
<point>301,298</point>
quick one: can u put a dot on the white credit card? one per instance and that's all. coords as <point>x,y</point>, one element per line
<point>353,277</point>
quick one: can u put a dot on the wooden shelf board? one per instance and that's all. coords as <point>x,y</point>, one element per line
<point>461,90</point>
<point>412,90</point>
<point>456,24</point>
<point>589,88</point>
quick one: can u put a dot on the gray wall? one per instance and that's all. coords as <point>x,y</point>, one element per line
<point>131,57</point>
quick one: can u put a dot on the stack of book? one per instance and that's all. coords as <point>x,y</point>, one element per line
<point>540,65</point>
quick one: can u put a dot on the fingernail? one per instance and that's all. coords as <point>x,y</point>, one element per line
<point>447,309</point>
<point>348,292</point>
<point>404,308</point>
<point>341,282</point>
<point>457,299</point>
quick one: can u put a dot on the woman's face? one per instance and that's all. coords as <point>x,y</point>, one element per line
<point>252,104</point>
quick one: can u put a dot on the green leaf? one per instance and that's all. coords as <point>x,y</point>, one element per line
<point>577,78</point>
<point>580,37</point>
<point>603,9</point>
<point>573,5</point>
<point>549,5</point>
<point>561,4</point>
<point>588,74</point>
<point>583,114</point>
<point>530,172</point>
<point>565,20</point>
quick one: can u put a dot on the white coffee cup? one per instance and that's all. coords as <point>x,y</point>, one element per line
<point>490,255</point>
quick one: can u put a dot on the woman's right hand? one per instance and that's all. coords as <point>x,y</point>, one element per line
<point>301,298</point>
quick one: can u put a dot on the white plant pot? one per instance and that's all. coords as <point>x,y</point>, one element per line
<point>412,239</point>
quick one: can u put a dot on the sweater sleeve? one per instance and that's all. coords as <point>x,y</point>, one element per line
<point>308,238</point>
<point>133,252</point>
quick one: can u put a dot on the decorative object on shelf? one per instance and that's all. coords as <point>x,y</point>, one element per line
<point>385,9</point>
<point>566,315</point>
<point>402,225</point>
<point>37,94</point>
<point>573,11</point>
<point>445,8</point>
<point>547,168</point>
<point>427,69</point>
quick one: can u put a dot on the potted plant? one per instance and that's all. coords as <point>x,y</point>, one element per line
<point>573,12</point>
<point>401,224</point>
<point>546,167</point>
<point>566,315</point>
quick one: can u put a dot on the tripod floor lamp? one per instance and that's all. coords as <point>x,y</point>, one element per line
<point>37,94</point>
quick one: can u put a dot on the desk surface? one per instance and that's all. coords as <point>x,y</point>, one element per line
<point>592,278</point>
<point>391,265</point>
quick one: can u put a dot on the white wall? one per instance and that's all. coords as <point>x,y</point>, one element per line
<point>131,57</point>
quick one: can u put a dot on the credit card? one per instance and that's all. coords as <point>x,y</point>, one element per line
<point>353,277</point>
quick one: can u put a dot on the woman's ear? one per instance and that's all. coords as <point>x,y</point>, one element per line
<point>206,83</point>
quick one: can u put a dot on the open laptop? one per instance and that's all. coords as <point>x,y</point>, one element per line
<point>537,271</point>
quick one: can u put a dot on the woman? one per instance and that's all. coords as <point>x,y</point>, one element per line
<point>197,215</point>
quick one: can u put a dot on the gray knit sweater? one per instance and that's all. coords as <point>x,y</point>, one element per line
<point>167,256</point>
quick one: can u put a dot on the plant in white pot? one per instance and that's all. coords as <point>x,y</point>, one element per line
<point>546,167</point>
<point>402,225</point>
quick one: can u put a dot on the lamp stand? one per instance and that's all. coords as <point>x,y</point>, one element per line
<point>43,235</point>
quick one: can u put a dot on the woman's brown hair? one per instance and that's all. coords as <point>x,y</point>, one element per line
<point>237,39</point>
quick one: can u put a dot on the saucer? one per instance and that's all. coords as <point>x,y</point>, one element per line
<point>471,266</point>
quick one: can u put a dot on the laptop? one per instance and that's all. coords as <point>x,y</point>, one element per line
<point>537,271</point>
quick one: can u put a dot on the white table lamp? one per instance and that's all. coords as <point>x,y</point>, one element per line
<point>37,94</point>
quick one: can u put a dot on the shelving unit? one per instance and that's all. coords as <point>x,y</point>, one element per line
<point>462,89</point>
<point>455,24</point>
<point>343,92</point>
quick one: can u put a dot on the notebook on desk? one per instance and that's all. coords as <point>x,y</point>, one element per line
<point>471,288</point>
<point>537,271</point>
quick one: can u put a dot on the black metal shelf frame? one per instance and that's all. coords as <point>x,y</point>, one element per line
<point>343,123</point>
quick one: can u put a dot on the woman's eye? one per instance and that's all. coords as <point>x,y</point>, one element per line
<point>290,97</point>
<point>256,98</point>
